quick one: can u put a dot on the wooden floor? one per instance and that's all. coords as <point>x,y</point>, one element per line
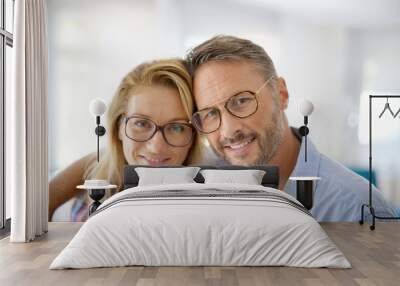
<point>374,255</point>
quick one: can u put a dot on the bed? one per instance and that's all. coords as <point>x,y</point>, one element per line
<point>201,224</point>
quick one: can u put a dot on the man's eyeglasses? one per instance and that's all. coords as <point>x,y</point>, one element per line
<point>241,105</point>
<point>176,134</point>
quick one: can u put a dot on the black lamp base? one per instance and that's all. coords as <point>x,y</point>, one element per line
<point>305,193</point>
<point>96,195</point>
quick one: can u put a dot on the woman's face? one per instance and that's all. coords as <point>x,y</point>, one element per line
<point>161,105</point>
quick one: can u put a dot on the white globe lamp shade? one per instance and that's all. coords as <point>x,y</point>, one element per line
<point>97,107</point>
<point>306,107</point>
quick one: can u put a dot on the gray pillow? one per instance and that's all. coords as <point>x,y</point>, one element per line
<point>248,177</point>
<point>162,176</point>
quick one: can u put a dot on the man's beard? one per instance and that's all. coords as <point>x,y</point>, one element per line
<point>268,142</point>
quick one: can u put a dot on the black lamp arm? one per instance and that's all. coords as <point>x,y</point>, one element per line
<point>100,131</point>
<point>303,130</point>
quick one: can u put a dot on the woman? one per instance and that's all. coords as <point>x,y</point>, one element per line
<point>148,124</point>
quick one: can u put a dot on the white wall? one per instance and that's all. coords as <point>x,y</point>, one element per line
<point>330,60</point>
<point>380,73</point>
<point>93,44</point>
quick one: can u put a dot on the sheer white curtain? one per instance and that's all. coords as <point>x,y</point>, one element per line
<point>27,121</point>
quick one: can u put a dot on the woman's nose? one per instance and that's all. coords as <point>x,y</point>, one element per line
<point>157,142</point>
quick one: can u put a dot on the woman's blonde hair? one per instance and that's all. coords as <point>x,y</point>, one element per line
<point>167,72</point>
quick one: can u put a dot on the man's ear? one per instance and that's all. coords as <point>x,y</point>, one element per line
<point>283,93</point>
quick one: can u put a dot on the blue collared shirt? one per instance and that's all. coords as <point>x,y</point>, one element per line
<point>339,194</point>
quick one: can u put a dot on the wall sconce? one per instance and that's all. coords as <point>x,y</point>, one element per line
<point>97,108</point>
<point>97,188</point>
<point>305,185</point>
<point>306,108</point>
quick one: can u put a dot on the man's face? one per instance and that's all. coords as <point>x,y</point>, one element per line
<point>241,141</point>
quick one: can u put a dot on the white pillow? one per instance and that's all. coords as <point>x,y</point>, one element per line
<point>162,176</point>
<point>248,177</point>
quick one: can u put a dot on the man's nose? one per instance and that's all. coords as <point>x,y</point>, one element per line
<point>157,143</point>
<point>230,125</point>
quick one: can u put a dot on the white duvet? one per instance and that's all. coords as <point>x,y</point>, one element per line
<point>265,229</point>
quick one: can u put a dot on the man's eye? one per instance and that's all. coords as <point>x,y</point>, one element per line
<point>240,101</point>
<point>211,114</point>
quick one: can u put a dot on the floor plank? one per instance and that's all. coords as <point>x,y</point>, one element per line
<point>374,255</point>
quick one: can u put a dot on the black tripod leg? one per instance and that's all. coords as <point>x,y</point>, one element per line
<point>372,227</point>
<point>361,221</point>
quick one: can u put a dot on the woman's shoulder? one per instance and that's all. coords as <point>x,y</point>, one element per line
<point>77,166</point>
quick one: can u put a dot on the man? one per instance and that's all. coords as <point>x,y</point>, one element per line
<point>241,104</point>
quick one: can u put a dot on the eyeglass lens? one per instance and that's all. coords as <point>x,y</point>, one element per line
<point>241,105</point>
<point>142,129</point>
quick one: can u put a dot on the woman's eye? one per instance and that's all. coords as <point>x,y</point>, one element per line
<point>142,124</point>
<point>176,128</point>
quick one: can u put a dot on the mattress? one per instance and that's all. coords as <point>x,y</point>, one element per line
<point>201,225</point>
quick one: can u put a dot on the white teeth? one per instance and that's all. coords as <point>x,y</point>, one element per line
<point>241,145</point>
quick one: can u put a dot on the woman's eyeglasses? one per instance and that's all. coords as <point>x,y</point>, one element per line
<point>241,105</point>
<point>176,134</point>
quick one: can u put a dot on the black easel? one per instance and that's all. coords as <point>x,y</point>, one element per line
<point>371,208</point>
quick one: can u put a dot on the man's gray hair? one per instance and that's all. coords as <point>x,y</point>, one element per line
<point>223,47</point>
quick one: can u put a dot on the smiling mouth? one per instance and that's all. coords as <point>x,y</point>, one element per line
<point>239,147</point>
<point>154,161</point>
